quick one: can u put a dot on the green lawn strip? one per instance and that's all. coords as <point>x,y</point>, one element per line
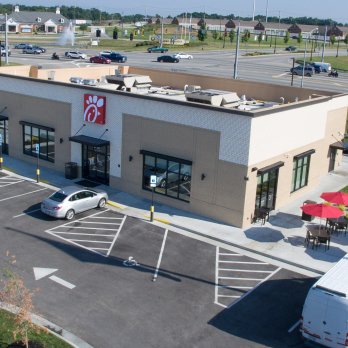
<point>7,327</point>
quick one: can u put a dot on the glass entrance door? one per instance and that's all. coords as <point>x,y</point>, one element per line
<point>4,135</point>
<point>332,159</point>
<point>266,190</point>
<point>95,163</point>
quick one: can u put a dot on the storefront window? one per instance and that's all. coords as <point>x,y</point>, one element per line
<point>173,175</point>
<point>4,135</point>
<point>300,172</point>
<point>35,135</point>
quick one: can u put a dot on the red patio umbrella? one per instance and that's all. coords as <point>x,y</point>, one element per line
<point>322,210</point>
<point>335,197</point>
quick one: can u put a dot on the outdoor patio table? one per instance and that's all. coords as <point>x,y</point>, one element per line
<point>341,224</point>
<point>317,234</point>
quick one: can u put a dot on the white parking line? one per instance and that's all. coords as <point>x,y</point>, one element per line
<point>23,194</point>
<point>255,287</point>
<point>256,279</point>
<point>99,223</point>
<point>87,234</point>
<point>90,228</point>
<point>26,213</point>
<point>160,255</point>
<point>116,235</point>
<point>234,287</point>
<point>294,326</point>
<point>228,254</point>
<point>244,270</point>
<point>9,183</point>
<point>245,262</point>
<point>90,241</point>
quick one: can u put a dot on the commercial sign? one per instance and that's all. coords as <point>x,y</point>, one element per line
<point>94,108</point>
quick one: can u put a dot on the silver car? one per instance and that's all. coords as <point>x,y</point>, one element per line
<point>71,200</point>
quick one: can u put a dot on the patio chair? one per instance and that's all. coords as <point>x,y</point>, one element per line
<point>341,227</point>
<point>261,214</point>
<point>323,240</point>
<point>310,238</point>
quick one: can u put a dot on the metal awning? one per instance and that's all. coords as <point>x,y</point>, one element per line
<point>304,154</point>
<point>270,167</point>
<point>86,140</point>
<point>3,118</point>
<point>339,145</point>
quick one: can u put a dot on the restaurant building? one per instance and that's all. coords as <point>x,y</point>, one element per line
<point>219,147</point>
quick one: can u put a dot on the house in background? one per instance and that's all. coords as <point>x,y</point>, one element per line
<point>30,22</point>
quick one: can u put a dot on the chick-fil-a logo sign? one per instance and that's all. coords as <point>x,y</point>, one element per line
<point>94,108</point>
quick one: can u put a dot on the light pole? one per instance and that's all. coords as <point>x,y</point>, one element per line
<point>305,52</point>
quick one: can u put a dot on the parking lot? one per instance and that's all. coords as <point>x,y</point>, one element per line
<point>109,277</point>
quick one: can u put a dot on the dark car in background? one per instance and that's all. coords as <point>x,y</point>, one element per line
<point>115,57</point>
<point>157,49</point>
<point>298,70</point>
<point>21,46</point>
<point>291,48</point>
<point>167,59</point>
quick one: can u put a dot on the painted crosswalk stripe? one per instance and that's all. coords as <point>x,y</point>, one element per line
<point>23,194</point>
<point>116,236</point>
<point>245,262</point>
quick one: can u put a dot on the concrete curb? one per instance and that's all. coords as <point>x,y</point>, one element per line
<point>53,329</point>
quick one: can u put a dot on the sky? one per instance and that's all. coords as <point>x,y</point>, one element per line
<point>284,8</point>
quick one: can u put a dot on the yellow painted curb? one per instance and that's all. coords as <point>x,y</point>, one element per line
<point>159,220</point>
<point>115,205</point>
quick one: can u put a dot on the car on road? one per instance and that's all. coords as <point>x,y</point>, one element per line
<point>75,55</point>
<point>157,49</point>
<point>298,70</point>
<point>72,200</point>
<point>3,51</point>
<point>31,50</point>
<point>291,48</point>
<point>167,59</point>
<point>43,50</point>
<point>182,55</point>
<point>21,46</point>
<point>115,57</point>
<point>100,60</point>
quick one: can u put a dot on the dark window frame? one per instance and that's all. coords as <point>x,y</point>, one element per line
<point>46,156</point>
<point>302,169</point>
<point>166,189</point>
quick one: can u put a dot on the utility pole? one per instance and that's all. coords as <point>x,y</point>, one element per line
<point>275,41</point>
<point>254,11</point>
<point>6,40</point>
<point>162,33</point>
<point>266,10</point>
<point>323,51</point>
<point>235,73</point>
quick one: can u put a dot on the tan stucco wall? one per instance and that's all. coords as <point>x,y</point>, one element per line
<point>219,195</point>
<point>41,112</point>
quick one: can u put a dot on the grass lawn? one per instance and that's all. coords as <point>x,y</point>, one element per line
<point>339,63</point>
<point>6,337</point>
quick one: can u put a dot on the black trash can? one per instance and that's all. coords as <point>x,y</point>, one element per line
<point>71,170</point>
<point>307,217</point>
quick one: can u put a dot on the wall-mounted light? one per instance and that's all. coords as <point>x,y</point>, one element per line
<point>202,176</point>
<point>253,169</point>
<point>130,158</point>
<point>61,140</point>
<point>246,178</point>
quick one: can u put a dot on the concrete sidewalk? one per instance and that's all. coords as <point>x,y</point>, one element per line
<point>280,239</point>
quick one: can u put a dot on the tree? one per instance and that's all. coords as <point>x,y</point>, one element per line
<point>346,39</point>
<point>299,38</point>
<point>259,38</point>
<point>332,39</point>
<point>214,34</point>
<point>158,21</point>
<point>115,33</point>
<point>13,292</point>
<point>83,28</point>
<point>202,32</point>
<point>246,36</point>
<point>286,37</point>
<point>232,35</point>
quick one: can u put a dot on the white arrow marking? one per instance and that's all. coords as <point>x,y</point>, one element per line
<point>62,282</point>
<point>43,272</point>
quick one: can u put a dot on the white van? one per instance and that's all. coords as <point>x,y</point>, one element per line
<point>325,67</point>
<point>325,312</point>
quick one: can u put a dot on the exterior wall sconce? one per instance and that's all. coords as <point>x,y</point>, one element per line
<point>246,178</point>
<point>61,140</point>
<point>130,158</point>
<point>202,176</point>
<point>254,169</point>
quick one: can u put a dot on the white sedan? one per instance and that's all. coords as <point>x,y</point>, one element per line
<point>182,55</point>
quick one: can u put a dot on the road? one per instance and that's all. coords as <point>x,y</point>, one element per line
<point>264,68</point>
